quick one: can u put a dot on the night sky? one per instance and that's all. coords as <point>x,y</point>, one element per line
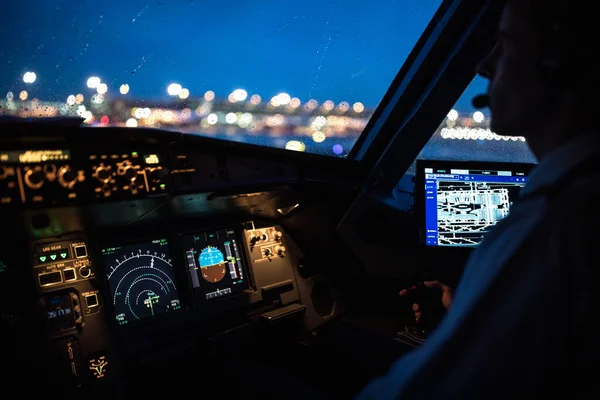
<point>327,50</point>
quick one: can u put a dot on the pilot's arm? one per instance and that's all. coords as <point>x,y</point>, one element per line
<point>514,328</point>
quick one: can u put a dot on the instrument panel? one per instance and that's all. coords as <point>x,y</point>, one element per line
<point>79,175</point>
<point>108,289</point>
<point>141,280</point>
<point>61,177</point>
<point>215,263</point>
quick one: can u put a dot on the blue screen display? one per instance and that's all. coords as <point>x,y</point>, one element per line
<point>462,205</point>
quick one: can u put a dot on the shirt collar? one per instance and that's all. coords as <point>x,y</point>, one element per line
<point>561,161</point>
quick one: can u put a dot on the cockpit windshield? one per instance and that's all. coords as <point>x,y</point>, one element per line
<point>303,76</point>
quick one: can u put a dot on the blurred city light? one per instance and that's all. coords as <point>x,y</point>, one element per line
<point>212,119</point>
<point>29,77</point>
<point>231,118</point>
<point>255,99</point>
<point>102,88</point>
<point>124,89</point>
<point>358,107</point>
<point>184,94</point>
<point>328,105</point>
<point>93,82</point>
<point>453,115</point>
<point>318,136</point>
<point>174,89</point>
<point>209,96</point>
<point>295,145</point>
<point>239,94</point>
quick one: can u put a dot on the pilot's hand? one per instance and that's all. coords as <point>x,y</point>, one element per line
<point>445,290</point>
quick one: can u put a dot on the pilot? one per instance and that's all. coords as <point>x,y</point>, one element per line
<point>520,323</point>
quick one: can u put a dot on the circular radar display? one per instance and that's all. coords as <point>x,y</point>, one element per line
<point>212,264</point>
<point>141,282</point>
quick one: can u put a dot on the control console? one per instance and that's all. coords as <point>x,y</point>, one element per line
<point>60,177</point>
<point>265,244</point>
<point>61,263</point>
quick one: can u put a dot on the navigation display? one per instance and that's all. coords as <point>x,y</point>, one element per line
<point>215,263</point>
<point>463,201</point>
<point>141,280</point>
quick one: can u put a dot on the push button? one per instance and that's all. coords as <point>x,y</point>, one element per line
<point>50,278</point>
<point>69,274</point>
<point>91,300</point>
<point>80,251</point>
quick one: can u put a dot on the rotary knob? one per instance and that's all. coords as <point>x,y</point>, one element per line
<point>67,177</point>
<point>103,174</point>
<point>280,250</point>
<point>34,178</point>
<point>130,173</point>
<point>85,272</point>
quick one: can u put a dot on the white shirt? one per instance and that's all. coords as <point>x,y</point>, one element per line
<point>518,312</point>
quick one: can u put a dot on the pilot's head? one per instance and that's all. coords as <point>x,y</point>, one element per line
<point>543,71</point>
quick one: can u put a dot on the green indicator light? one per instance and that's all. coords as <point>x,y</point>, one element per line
<point>63,255</point>
<point>134,153</point>
<point>53,257</point>
<point>162,185</point>
<point>43,258</point>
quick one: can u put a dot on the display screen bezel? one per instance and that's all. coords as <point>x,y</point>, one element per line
<point>419,188</point>
<point>109,291</point>
<point>199,294</point>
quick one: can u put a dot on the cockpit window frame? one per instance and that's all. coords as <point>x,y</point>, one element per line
<point>418,103</point>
